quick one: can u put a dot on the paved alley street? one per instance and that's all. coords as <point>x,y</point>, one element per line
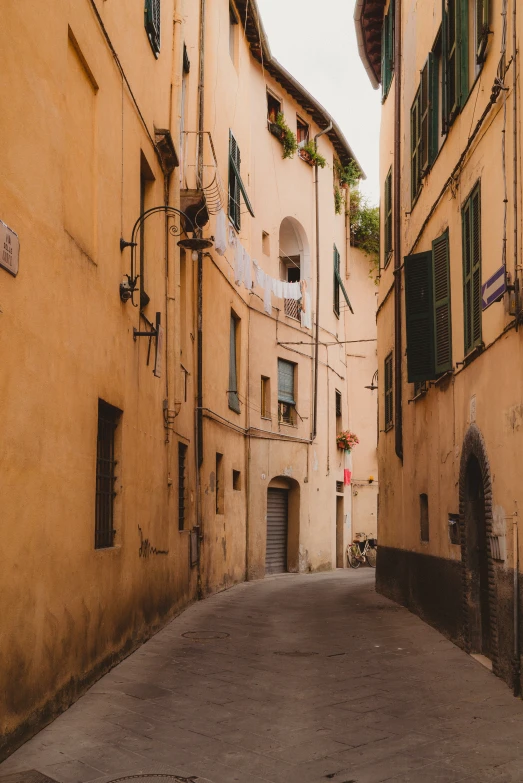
<point>293,679</point>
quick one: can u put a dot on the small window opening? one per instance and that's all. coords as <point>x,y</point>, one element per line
<point>266,243</point>
<point>108,418</point>
<point>302,132</point>
<point>339,487</point>
<point>220,494</point>
<point>273,107</point>
<point>236,480</point>
<point>265,397</point>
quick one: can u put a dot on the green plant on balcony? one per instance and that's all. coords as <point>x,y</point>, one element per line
<point>310,155</point>
<point>365,229</point>
<point>349,175</point>
<point>285,136</point>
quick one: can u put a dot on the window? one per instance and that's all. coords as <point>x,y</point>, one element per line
<point>236,186</point>
<point>108,418</point>
<point>340,487</point>
<point>424,517</point>
<point>265,397</point>
<point>338,285</point>
<point>182,454</point>
<point>471,235</point>
<point>266,243</point>
<point>482,29</point>
<point>302,132</point>
<point>389,408</point>
<point>387,209</point>
<point>455,58</point>
<point>338,404</point>
<point>387,50</point>
<point>233,33</point>
<point>234,400</point>
<point>286,395</point>
<point>220,494</point>
<point>236,480</point>
<point>273,107</point>
<point>152,24</point>
<point>428,312</point>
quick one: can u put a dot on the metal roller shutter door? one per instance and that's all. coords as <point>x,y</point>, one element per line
<point>277,510</point>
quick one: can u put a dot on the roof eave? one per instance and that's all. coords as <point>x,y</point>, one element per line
<point>362,48</point>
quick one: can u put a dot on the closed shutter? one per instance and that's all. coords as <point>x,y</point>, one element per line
<point>471,231</point>
<point>336,301</point>
<point>419,300</point>
<point>152,23</point>
<point>433,78</point>
<point>424,121</point>
<point>286,382</point>
<point>442,311</point>
<point>234,400</point>
<point>389,393</point>
<point>388,217</point>
<point>277,524</point>
<point>415,145</point>
<point>463,50</point>
<point>482,28</point>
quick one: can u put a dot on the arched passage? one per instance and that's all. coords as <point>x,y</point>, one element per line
<point>475,494</point>
<point>283,525</point>
<point>294,255</point>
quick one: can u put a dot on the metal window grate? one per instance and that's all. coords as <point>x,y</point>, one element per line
<point>339,486</point>
<point>182,454</point>
<point>108,417</point>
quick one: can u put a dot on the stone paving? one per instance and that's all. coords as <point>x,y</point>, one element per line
<point>293,679</point>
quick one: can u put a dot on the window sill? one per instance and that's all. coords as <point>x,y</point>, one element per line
<point>389,428</point>
<point>266,418</point>
<point>473,355</point>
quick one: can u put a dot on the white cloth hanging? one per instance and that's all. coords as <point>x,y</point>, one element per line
<point>267,304</point>
<point>306,314</point>
<point>220,240</point>
<point>277,287</point>
<point>247,270</point>
<point>294,291</point>
<point>238,263</point>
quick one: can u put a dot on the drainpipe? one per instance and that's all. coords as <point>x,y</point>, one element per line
<point>517,660</point>
<point>398,364</point>
<point>317,335</point>
<point>515,133</point>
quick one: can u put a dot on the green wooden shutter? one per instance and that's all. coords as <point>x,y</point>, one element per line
<point>476,266</point>
<point>336,299</point>
<point>389,393</point>
<point>384,60</point>
<point>234,400</point>
<point>387,50</point>
<point>415,145</point>
<point>424,121</point>
<point>419,299</point>
<point>433,79</point>
<point>387,208</point>
<point>444,61</point>
<point>462,15</point>
<point>286,382</point>
<point>471,235</point>
<point>482,28</point>
<point>152,24</point>
<point>451,65</point>
<point>442,309</point>
<point>234,189</point>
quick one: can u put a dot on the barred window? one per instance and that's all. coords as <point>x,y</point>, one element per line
<point>108,418</point>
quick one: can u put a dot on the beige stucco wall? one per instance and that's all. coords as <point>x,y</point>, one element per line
<point>435,425</point>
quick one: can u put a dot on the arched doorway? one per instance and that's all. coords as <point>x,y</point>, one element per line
<point>475,492</point>
<point>478,559</point>
<point>282,540</point>
<point>294,255</point>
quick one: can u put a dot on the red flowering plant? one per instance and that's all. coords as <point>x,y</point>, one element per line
<point>347,440</point>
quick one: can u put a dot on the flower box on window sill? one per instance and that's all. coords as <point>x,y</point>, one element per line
<point>276,130</point>
<point>306,156</point>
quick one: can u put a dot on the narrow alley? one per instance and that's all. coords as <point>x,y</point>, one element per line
<point>293,679</point>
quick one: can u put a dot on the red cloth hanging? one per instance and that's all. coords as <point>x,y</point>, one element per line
<point>347,476</point>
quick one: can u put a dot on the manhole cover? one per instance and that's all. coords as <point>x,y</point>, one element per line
<point>203,636</point>
<point>296,653</point>
<point>155,776</point>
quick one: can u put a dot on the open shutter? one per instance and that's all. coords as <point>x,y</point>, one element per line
<point>387,208</point>
<point>234,400</point>
<point>467,277</point>
<point>444,60</point>
<point>476,266</point>
<point>451,65</point>
<point>389,393</point>
<point>419,300</point>
<point>482,28</point>
<point>462,17</point>
<point>433,78</point>
<point>384,60</point>
<point>152,23</point>
<point>424,120</point>
<point>286,382</point>
<point>336,283</point>
<point>442,311</point>
<point>234,189</point>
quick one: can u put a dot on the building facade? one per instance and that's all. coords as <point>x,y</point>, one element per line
<point>449,344</point>
<point>169,429</point>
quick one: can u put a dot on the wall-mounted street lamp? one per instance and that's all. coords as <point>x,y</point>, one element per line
<point>183,227</point>
<point>373,386</point>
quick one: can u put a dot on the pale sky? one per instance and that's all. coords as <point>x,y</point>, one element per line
<point>316,42</point>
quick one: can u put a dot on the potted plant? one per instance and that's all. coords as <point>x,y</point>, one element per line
<point>346,440</point>
<point>310,155</point>
<point>349,175</point>
<point>285,136</point>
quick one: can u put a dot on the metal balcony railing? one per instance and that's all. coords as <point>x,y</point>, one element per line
<point>210,183</point>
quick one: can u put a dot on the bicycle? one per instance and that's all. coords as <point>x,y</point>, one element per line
<point>362,550</point>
